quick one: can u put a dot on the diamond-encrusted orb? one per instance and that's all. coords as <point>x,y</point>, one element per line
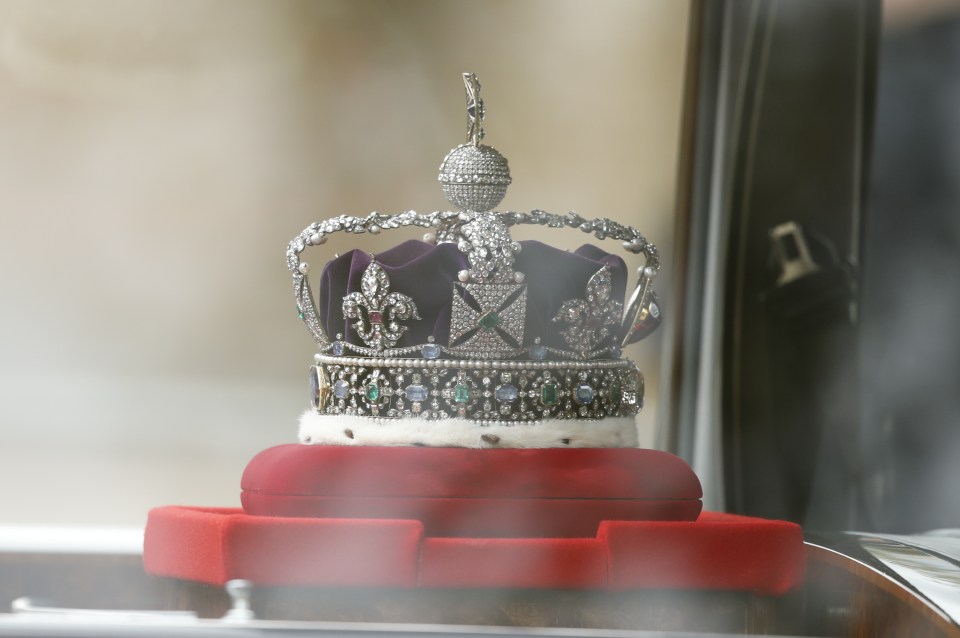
<point>474,177</point>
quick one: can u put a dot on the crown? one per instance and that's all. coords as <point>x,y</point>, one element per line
<point>469,338</point>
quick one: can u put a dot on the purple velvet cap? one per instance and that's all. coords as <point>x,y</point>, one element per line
<point>427,272</point>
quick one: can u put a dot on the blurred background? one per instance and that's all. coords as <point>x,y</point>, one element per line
<point>156,157</point>
<point>819,264</point>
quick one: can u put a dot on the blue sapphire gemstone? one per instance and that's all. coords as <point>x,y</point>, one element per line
<point>341,389</point>
<point>506,393</point>
<point>584,394</point>
<point>314,387</point>
<point>337,348</point>
<point>538,351</point>
<point>416,393</point>
<point>430,351</point>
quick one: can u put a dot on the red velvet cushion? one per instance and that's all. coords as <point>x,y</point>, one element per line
<point>718,551</point>
<point>465,492</point>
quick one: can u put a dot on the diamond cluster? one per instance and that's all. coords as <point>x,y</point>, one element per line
<point>378,311</point>
<point>490,249</point>
<point>591,320</point>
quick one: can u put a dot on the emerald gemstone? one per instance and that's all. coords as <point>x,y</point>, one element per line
<point>616,393</point>
<point>461,393</point>
<point>489,320</point>
<point>549,394</point>
<point>372,392</point>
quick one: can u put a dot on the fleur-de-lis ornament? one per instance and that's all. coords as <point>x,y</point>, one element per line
<point>377,310</point>
<point>592,320</point>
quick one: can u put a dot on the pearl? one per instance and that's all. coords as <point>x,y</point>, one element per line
<point>430,238</point>
<point>650,272</point>
<point>518,277</point>
<point>516,246</point>
<point>304,268</point>
<point>316,239</point>
<point>464,276</point>
<point>374,230</point>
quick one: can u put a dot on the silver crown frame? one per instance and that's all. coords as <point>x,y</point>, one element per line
<point>484,372</point>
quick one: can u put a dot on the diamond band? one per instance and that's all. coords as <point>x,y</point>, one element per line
<point>490,391</point>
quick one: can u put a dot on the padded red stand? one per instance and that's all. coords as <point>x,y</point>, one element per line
<point>601,519</point>
<point>718,551</point>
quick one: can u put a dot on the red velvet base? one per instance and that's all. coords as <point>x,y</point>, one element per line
<point>718,551</point>
<point>473,493</point>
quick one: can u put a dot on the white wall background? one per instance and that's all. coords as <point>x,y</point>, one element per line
<point>155,158</point>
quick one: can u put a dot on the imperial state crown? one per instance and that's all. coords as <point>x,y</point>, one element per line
<point>469,338</point>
